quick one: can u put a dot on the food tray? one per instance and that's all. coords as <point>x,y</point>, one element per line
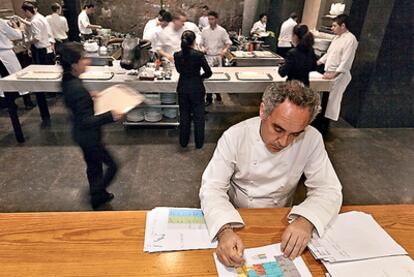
<point>39,75</point>
<point>219,76</point>
<point>253,76</point>
<point>92,75</point>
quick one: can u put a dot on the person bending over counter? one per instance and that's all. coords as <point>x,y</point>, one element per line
<point>258,164</point>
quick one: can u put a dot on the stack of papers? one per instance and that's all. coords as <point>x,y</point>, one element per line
<point>170,229</point>
<point>355,245</point>
<point>265,261</point>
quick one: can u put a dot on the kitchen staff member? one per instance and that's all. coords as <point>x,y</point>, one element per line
<point>9,32</point>
<point>338,62</point>
<point>84,25</point>
<point>86,129</point>
<point>258,164</point>
<point>40,47</point>
<point>203,20</point>
<point>190,89</point>
<point>151,26</point>
<point>215,42</point>
<point>170,37</point>
<point>259,27</point>
<point>154,38</point>
<point>284,41</point>
<point>58,24</point>
<point>190,26</point>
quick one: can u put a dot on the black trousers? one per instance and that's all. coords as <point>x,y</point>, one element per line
<point>26,98</point>
<point>192,108</point>
<point>40,56</point>
<point>282,51</point>
<point>95,157</point>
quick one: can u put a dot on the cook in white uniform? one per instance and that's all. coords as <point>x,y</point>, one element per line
<point>338,62</point>
<point>170,37</point>
<point>215,42</point>
<point>188,25</point>
<point>259,27</point>
<point>84,24</point>
<point>154,38</point>
<point>58,24</point>
<point>8,33</point>
<point>284,43</point>
<point>203,20</point>
<point>152,26</point>
<point>258,163</point>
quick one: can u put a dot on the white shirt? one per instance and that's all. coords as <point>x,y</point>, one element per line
<point>7,35</point>
<point>188,25</point>
<point>150,28</point>
<point>214,40</point>
<point>341,53</point>
<point>40,30</point>
<point>59,26</point>
<point>286,30</point>
<point>169,40</point>
<point>258,27</point>
<point>155,37</point>
<point>243,173</point>
<point>83,23</point>
<point>203,22</point>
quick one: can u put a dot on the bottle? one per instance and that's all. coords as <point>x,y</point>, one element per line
<point>158,64</point>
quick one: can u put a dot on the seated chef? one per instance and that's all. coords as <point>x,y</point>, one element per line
<point>258,163</point>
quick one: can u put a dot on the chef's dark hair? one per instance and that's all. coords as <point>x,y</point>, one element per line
<point>28,6</point>
<point>305,37</point>
<point>342,19</point>
<point>262,15</point>
<point>70,53</point>
<point>55,7</point>
<point>213,13</point>
<point>293,16</point>
<point>167,16</point>
<point>187,41</point>
<point>205,7</point>
<point>161,12</point>
<point>88,4</point>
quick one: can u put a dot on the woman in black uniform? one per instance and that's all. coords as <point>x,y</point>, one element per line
<point>86,129</point>
<point>301,59</point>
<point>190,89</point>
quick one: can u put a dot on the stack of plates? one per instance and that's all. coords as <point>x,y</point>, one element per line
<point>136,115</point>
<point>168,98</point>
<point>170,112</point>
<point>153,114</point>
<point>153,99</point>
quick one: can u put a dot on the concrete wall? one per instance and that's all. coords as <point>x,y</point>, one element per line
<point>311,13</point>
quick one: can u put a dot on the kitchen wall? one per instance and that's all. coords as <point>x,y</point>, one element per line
<point>311,13</point>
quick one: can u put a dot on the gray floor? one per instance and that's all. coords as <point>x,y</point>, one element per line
<point>47,172</point>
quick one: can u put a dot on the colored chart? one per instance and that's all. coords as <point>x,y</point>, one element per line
<point>185,216</point>
<point>282,267</point>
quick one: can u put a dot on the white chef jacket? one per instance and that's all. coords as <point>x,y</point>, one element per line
<point>286,30</point>
<point>339,58</point>
<point>7,55</point>
<point>83,23</point>
<point>214,40</point>
<point>40,30</point>
<point>59,26</point>
<point>154,37</point>
<point>203,22</point>
<point>258,27</point>
<point>188,25</point>
<point>150,28</point>
<point>170,39</point>
<point>243,173</point>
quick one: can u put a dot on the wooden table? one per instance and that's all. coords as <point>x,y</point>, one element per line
<point>111,243</point>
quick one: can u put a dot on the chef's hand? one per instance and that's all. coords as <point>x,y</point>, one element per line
<point>230,248</point>
<point>29,52</point>
<point>117,115</point>
<point>223,52</point>
<point>170,58</point>
<point>318,63</point>
<point>95,94</point>
<point>296,237</point>
<point>330,75</point>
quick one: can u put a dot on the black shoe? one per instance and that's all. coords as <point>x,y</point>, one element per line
<point>29,106</point>
<point>218,98</point>
<point>45,123</point>
<point>97,202</point>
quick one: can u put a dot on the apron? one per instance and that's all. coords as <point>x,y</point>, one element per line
<point>336,92</point>
<point>12,64</point>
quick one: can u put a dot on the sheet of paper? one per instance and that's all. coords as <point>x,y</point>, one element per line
<point>354,236</point>
<point>117,97</point>
<point>265,261</point>
<point>170,229</point>
<point>397,266</point>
